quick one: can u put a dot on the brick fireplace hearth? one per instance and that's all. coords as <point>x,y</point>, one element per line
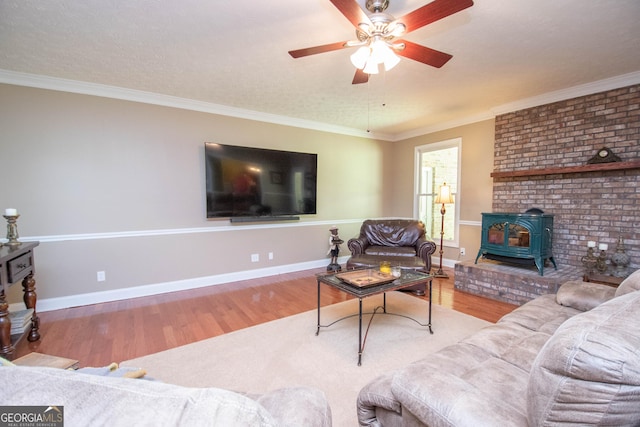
<point>510,283</point>
<point>587,205</point>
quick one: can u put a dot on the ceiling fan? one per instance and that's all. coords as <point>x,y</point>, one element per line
<point>377,34</point>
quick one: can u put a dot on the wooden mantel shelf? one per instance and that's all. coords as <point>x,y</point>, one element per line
<point>599,167</point>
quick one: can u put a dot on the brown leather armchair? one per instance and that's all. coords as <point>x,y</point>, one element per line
<point>402,242</point>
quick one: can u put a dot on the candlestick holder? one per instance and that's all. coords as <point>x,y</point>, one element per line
<point>601,262</point>
<point>589,261</point>
<point>620,259</point>
<point>12,229</point>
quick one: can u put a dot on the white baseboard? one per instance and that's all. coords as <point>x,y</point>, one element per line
<point>59,303</point>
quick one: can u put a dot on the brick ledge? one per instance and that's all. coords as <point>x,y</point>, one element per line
<point>510,283</point>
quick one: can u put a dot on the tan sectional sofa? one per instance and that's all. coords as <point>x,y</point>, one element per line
<point>571,358</point>
<point>91,400</point>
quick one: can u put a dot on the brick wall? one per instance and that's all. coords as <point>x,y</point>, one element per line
<point>587,206</point>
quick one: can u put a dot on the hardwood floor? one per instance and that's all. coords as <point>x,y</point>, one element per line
<point>99,334</point>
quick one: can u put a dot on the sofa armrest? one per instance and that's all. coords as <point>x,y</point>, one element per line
<point>583,296</point>
<point>357,245</point>
<point>424,249</point>
<point>297,406</point>
<point>376,396</point>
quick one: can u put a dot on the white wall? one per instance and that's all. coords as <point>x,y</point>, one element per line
<point>118,186</point>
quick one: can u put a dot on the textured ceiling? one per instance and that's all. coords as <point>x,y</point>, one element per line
<point>234,54</point>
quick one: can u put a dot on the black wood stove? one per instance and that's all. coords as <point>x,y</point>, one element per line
<point>521,238</point>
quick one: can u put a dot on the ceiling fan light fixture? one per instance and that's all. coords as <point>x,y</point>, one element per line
<point>391,60</point>
<point>371,67</point>
<point>360,57</point>
<point>379,26</point>
<point>395,29</point>
<point>382,53</point>
<point>367,58</point>
<point>364,27</point>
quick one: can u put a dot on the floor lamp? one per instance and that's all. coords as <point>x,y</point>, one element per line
<point>444,196</point>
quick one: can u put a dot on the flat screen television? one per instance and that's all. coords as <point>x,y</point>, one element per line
<point>245,182</point>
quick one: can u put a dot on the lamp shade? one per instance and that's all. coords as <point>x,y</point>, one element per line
<point>367,58</point>
<point>371,67</point>
<point>390,59</point>
<point>360,57</point>
<point>444,195</point>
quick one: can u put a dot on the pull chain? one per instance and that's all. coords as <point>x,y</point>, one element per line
<point>369,104</point>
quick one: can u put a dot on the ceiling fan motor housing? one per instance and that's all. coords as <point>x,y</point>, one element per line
<point>377,5</point>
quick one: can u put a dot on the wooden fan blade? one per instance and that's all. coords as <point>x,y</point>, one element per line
<point>423,54</point>
<point>432,12</point>
<point>351,11</point>
<point>317,49</point>
<point>360,77</point>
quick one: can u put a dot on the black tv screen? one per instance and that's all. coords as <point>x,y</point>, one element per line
<point>258,182</point>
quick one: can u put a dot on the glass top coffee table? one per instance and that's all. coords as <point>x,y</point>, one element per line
<point>366,283</point>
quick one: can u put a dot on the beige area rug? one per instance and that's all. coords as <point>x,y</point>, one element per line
<point>287,352</point>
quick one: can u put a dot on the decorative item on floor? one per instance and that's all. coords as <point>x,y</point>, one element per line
<point>620,260</point>
<point>334,249</point>
<point>601,263</point>
<point>11,215</point>
<point>590,260</point>
<point>444,196</point>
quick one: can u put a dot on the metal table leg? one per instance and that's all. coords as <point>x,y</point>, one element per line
<point>360,349</point>
<point>318,330</point>
<point>430,298</point>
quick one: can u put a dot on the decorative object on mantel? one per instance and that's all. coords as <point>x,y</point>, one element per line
<point>620,259</point>
<point>604,155</point>
<point>590,260</point>
<point>334,249</point>
<point>11,215</point>
<point>444,196</point>
<point>601,263</point>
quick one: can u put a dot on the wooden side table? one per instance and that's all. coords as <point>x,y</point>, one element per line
<point>604,279</point>
<point>16,264</point>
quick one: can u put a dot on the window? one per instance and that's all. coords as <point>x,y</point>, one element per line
<point>436,164</point>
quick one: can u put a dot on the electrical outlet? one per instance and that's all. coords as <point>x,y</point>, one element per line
<point>270,255</point>
<point>101,276</point>
<point>255,257</point>
<point>462,251</point>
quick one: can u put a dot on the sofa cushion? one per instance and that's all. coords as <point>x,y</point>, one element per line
<point>630,284</point>
<point>395,232</point>
<point>462,385</point>
<point>583,296</point>
<point>104,400</point>
<point>98,400</point>
<point>589,370</point>
<point>541,315</point>
<point>390,251</point>
<point>296,406</point>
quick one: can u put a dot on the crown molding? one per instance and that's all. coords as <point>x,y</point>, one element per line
<point>445,126</point>
<point>569,93</point>
<point>114,92</point>
<point>547,98</point>
<point>105,91</point>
